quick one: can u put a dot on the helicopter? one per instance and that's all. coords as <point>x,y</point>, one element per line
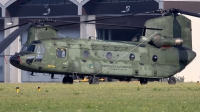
<point>162,50</point>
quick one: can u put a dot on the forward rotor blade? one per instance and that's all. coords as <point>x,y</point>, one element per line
<point>126,26</point>
<point>125,15</point>
<point>4,55</point>
<point>102,19</point>
<point>9,39</point>
<point>14,26</point>
<point>68,24</point>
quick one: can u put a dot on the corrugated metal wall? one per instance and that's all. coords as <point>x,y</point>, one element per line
<point>1,57</point>
<point>1,60</point>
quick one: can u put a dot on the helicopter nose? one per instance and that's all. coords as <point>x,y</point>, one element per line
<point>15,59</point>
<point>187,56</point>
<point>191,55</point>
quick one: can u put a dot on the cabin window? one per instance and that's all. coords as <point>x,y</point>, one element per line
<point>109,55</point>
<point>86,54</point>
<point>154,58</point>
<point>61,53</point>
<point>132,57</point>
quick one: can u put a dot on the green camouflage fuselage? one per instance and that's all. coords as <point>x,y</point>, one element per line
<point>97,63</point>
<point>158,54</point>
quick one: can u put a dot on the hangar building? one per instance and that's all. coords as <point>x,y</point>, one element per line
<point>13,12</point>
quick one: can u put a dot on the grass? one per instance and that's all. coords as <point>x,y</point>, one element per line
<point>105,97</point>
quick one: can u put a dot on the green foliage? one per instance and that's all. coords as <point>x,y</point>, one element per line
<point>154,89</point>
<point>77,93</point>
<point>138,88</point>
<point>1,88</point>
<point>105,97</point>
<point>157,89</point>
<point>46,90</point>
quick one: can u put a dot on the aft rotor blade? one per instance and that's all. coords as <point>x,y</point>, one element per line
<point>9,39</point>
<point>173,11</point>
<point>14,26</point>
<point>126,26</point>
<point>189,13</point>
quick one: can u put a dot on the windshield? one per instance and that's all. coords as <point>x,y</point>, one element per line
<point>28,48</point>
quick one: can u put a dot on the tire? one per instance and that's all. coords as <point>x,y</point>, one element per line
<point>70,80</point>
<point>172,80</point>
<point>143,81</point>
<point>67,80</point>
<point>90,80</point>
<point>64,81</point>
<point>95,80</point>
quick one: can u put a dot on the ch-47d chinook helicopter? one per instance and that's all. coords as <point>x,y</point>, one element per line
<point>164,49</point>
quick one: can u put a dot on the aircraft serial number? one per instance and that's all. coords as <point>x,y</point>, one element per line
<point>116,66</point>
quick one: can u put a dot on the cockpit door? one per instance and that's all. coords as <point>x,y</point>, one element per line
<point>49,59</point>
<point>40,53</point>
<point>40,60</point>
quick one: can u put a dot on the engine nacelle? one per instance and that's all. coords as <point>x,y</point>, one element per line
<point>162,41</point>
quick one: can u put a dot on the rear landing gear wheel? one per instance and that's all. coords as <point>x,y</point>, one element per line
<point>67,80</point>
<point>172,80</point>
<point>143,81</point>
<point>93,80</point>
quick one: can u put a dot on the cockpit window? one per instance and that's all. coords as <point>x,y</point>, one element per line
<point>40,49</point>
<point>36,42</point>
<point>38,58</point>
<point>31,48</point>
<point>24,48</point>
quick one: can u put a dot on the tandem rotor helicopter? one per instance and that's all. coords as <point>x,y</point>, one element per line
<point>157,53</point>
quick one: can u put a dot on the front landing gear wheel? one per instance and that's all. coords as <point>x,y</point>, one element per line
<point>67,80</point>
<point>143,81</point>
<point>172,80</point>
<point>94,80</point>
